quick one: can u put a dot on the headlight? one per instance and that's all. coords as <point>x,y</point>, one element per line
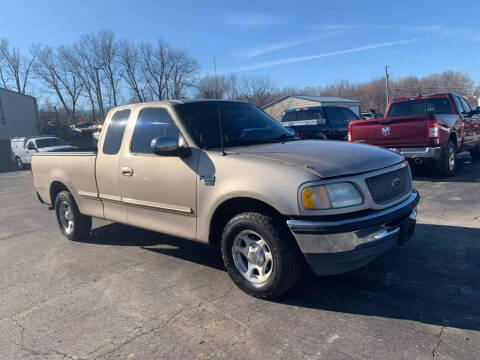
<point>335,195</point>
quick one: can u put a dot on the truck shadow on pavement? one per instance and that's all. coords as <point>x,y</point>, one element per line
<point>433,279</point>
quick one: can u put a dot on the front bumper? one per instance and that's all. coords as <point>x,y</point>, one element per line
<point>335,247</point>
<point>419,152</point>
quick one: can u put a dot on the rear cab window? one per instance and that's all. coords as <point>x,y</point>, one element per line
<point>114,135</point>
<point>308,114</point>
<point>440,105</point>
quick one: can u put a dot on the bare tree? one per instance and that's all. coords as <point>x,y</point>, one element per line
<point>89,65</point>
<point>255,90</point>
<point>213,87</point>
<point>131,68</point>
<point>14,66</point>
<point>167,71</point>
<point>104,49</point>
<point>46,68</point>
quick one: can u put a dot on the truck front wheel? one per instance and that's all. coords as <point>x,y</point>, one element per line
<point>19,163</point>
<point>260,255</point>
<point>73,225</point>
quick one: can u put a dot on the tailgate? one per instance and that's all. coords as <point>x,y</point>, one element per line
<point>391,132</point>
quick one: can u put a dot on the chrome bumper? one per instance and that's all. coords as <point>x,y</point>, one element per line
<point>336,247</point>
<point>419,152</point>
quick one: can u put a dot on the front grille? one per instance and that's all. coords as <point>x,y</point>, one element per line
<point>391,186</point>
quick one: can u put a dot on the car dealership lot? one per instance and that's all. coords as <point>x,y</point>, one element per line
<point>129,293</point>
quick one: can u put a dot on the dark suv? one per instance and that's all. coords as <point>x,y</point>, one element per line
<point>319,122</point>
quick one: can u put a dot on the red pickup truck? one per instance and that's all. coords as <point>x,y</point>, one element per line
<point>427,128</point>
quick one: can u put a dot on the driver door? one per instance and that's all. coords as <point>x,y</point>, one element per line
<point>159,192</point>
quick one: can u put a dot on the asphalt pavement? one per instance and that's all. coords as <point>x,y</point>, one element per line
<point>127,293</point>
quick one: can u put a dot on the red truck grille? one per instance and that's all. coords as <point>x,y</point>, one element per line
<point>391,186</point>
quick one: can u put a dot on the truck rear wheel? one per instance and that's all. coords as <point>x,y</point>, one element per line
<point>448,162</point>
<point>73,225</point>
<point>260,255</point>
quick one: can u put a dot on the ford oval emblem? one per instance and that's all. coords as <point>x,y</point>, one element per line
<point>386,130</point>
<point>395,182</point>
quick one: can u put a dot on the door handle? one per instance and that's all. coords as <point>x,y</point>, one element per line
<point>126,171</point>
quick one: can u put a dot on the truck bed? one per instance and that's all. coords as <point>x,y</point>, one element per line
<point>74,169</point>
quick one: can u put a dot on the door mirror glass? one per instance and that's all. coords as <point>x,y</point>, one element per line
<point>31,146</point>
<point>170,146</point>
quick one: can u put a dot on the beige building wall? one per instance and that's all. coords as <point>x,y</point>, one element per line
<point>278,108</point>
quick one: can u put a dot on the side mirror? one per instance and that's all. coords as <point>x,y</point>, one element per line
<point>31,146</point>
<point>170,146</point>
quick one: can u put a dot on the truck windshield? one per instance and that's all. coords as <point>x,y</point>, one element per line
<point>242,124</point>
<point>417,107</point>
<point>48,142</point>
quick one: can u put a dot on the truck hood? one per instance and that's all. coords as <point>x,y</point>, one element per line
<point>325,158</point>
<point>57,148</point>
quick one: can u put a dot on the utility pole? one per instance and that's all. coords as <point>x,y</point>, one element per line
<point>386,84</point>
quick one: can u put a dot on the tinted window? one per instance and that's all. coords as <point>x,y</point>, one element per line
<point>116,128</point>
<point>466,106</point>
<point>418,107</point>
<point>349,115</point>
<point>336,117</point>
<point>310,114</point>
<point>242,124</point>
<point>458,104</point>
<point>289,116</point>
<point>152,123</point>
<point>42,143</point>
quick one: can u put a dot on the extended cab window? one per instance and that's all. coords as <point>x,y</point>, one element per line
<point>48,142</point>
<point>349,115</point>
<point>289,116</point>
<point>152,123</point>
<point>336,117</point>
<point>418,107</point>
<point>116,128</point>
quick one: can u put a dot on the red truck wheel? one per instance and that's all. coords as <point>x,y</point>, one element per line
<point>448,163</point>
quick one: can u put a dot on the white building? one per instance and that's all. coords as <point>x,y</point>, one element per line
<point>276,108</point>
<point>18,118</point>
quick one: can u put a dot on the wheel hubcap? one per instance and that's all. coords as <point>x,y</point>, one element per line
<point>252,256</point>
<point>66,217</point>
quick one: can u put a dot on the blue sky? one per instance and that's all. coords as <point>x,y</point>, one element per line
<point>296,43</point>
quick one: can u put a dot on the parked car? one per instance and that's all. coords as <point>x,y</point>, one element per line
<point>319,122</point>
<point>427,128</point>
<point>227,174</point>
<point>23,148</point>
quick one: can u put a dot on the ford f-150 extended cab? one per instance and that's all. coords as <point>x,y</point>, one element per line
<point>424,128</point>
<point>225,173</point>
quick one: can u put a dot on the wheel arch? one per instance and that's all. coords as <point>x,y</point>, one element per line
<point>231,207</point>
<point>55,188</point>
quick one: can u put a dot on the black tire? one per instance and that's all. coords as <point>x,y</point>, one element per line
<point>447,165</point>
<point>79,225</point>
<point>19,163</point>
<point>475,152</point>
<point>287,262</point>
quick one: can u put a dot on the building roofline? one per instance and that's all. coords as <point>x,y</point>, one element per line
<point>304,97</point>
<point>16,93</point>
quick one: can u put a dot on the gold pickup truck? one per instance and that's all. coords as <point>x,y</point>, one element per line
<point>225,173</point>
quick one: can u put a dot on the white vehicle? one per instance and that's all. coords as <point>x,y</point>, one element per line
<point>23,148</point>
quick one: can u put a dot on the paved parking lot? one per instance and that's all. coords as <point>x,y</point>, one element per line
<point>133,294</point>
